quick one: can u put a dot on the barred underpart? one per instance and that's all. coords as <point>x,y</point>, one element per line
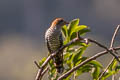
<point>54,42</point>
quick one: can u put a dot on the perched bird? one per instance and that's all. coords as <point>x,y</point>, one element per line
<point>53,37</point>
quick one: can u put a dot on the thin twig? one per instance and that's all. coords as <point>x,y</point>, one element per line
<point>99,44</point>
<point>84,62</point>
<point>116,57</point>
<point>45,70</point>
<point>112,42</point>
<point>106,69</point>
<point>111,46</point>
<point>114,36</point>
<point>37,64</point>
<point>38,77</point>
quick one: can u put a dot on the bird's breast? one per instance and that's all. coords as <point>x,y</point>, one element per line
<point>53,38</point>
<point>54,42</point>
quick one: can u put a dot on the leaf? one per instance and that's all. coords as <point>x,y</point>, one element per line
<point>113,65</point>
<point>42,61</point>
<point>73,35</point>
<point>51,63</point>
<point>117,68</point>
<point>96,73</point>
<point>72,26</point>
<point>65,31</point>
<point>96,63</point>
<point>81,60</point>
<point>83,69</point>
<point>78,54</point>
<point>80,28</point>
<point>69,61</point>
<point>68,30</point>
<point>96,68</point>
<point>67,55</point>
<point>110,73</point>
<point>84,31</point>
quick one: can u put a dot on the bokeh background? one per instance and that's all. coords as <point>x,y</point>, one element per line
<point>24,22</point>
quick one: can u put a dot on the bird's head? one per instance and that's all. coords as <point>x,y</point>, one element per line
<point>59,22</point>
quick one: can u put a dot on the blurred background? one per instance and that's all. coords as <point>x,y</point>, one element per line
<point>24,22</point>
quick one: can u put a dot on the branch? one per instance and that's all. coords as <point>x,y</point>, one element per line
<point>114,36</point>
<point>39,70</point>
<point>45,70</point>
<point>84,62</point>
<point>39,74</point>
<point>99,44</point>
<point>37,64</point>
<point>115,56</point>
<point>111,46</point>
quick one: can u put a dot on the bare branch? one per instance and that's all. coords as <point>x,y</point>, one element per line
<point>93,41</point>
<point>111,46</point>
<point>37,64</point>
<point>38,77</point>
<point>114,36</point>
<point>106,69</point>
<point>45,70</point>
<point>115,56</point>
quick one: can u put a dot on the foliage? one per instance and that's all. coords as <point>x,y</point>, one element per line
<point>73,55</point>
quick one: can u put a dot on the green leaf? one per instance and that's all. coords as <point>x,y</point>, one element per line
<point>96,69</point>
<point>68,30</point>
<point>83,69</point>
<point>96,73</point>
<point>80,28</point>
<point>110,73</point>
<point>65,31</point>
<point>69,62</point>
<point>67,55</point>
<point>73,35</point>
<point>72,26</point>
<point>96,63</point>
<point>84,31</point>
<point>113,65</point>
<point>42,61</point>
<point>117,68</point>
<point>81,60</point>
<point>78,54</point>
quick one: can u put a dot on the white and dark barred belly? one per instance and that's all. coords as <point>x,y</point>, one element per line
<point>53,39</point>
<point>54,43</point>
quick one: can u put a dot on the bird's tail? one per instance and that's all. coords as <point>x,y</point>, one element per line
<point>58,62</point>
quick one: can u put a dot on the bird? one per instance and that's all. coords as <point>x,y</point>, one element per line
<point>54,40</point>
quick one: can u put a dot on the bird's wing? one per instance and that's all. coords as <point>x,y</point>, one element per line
<point>48,46</point>
<point>61,40</point>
